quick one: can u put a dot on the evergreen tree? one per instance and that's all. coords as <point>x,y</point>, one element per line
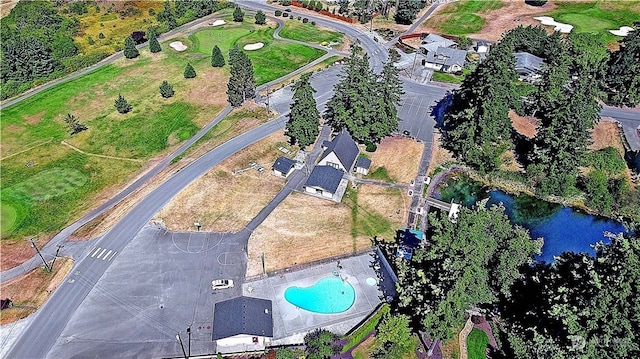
<point>167,17</point>
<point>122,105</point>
<point>154,45</point>
<point>166,90</point>
<point>130,50</point>
<point>217,60</point>
<point>357,104</point>
<point>343,6</point>
<point>241,85</point>
<point>407,11</point>
<point>238,14</point>
<point>261,18</point>
<point>303,123</point>
<point>477,128</point>
<point>73,124</point>
<point>623,76</point>
<point>189,71</point>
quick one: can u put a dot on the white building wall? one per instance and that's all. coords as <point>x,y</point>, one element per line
<point>331,158</point>
<point>430,65</point>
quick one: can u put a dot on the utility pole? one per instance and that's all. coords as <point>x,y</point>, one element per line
<point>189,346</point>
<point>268,90</point>
<point>46,266</point>
<point>181,345</point>
<point>56,256</point>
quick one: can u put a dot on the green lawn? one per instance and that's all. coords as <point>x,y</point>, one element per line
<point>461,18</point>
<point>297,30</point>
<point>445,77</point>
<point>597,17</point>
<point>44,197</point>
<point>477,342</point>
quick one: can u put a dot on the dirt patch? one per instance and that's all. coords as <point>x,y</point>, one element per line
<point>34,119</point>
<point>223,201</point>
<point>13,128</point>
<point>404,168</point>
<point>207,90</point>
<point>498,21</point>
<point>365,349</point>
<point>524,125</point>
<point>16,251</point>
<point>439,156</point>
<point>32,290</point>
<point>509,162</point>
<point>606,134</point>
<point>302,229</point>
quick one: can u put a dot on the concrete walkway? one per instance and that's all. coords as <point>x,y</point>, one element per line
<point>462,338</point>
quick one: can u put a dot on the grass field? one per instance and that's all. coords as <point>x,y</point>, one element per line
<point>597,17</point>
<point>462,17</point>
<point>32,129</point>
<point>297,30</point>
<point>477,342</point>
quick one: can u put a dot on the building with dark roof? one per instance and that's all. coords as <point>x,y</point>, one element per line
<point>527,64</point>
<point>283,167</point>
<point>340,153</point>
<point>445,59</point>
<point>242,324</point>
<point>323,181</point>
<point>362,165</point>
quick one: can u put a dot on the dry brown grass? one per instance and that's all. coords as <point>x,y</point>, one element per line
<point>246,117</point>
<point>6,6</point>
<point>15,251</point>
<point>524,125</point>
<point>366,348</point>
<point>402,168</point>
<point>222,201</point>
<point>32,289</point>
<point>300,230</point>
<point>439,155</point>
<point>390,203</point>
<point>514,13</point>
<point>606,134</point>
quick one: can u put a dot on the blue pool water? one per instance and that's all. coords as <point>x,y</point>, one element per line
<point>327,296</point>
<point>563,229</point>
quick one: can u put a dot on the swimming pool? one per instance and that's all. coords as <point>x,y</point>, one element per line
<point>327,296</point>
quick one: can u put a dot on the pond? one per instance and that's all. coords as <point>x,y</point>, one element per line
<point>563,228</point>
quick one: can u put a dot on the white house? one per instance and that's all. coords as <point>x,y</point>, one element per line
<point>340,153</point>
<point>362,165</point>
<point>283,167</point>
<point>527,65</point>
<point>445,59</point>
<point>242,324</point>
<point>323,181</point>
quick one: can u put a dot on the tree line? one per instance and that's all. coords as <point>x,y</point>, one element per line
<point>578,71</point>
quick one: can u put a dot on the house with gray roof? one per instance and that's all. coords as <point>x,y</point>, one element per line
<point>340,153</point>
<point>445,59</point>
<point>433,41</point>
<point>242,324</point>
<point>527,65</point>
<point>324,182</point>
<point>283,167</point>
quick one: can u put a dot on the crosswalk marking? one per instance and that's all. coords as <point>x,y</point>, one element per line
<point>99,252</point>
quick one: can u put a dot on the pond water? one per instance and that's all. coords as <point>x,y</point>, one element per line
<point>563,229</point>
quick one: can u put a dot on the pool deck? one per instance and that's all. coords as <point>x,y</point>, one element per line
<point>290,323</point>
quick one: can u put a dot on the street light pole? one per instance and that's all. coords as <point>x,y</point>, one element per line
<point>181,345</point>
<point>189,346</point>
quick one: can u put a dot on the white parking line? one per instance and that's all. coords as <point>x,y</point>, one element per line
<point>106,255</point>
<point>101,253</point>
<point>94,253</point>
<point>113,255</point>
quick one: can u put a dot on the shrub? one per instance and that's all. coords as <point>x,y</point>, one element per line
<point>371,147</point>
<point>278,13</point>
<point>166,90</point>
<point>122,105</point>
<point>152,12</point>
<point>313,23</point>
<point>189,72</point>
<point>100,36</point>
<point>305,20</point>
<point>90,40</point>
<point>138,37</point>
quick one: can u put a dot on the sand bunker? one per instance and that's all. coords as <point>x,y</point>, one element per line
<point>546,20</point>
<point>178,46</point>
<point>257,45</point>
<point>623,31</point>
<point>218,23</point>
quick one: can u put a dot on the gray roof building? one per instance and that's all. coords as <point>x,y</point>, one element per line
<point>447,57</point>
<point>433,41</point>
<point>242,315</point>
<point>363,162</point>
<point>326,178</point>
<point>283,165</point>
<point>344,148</point>
<point>527,64</point>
